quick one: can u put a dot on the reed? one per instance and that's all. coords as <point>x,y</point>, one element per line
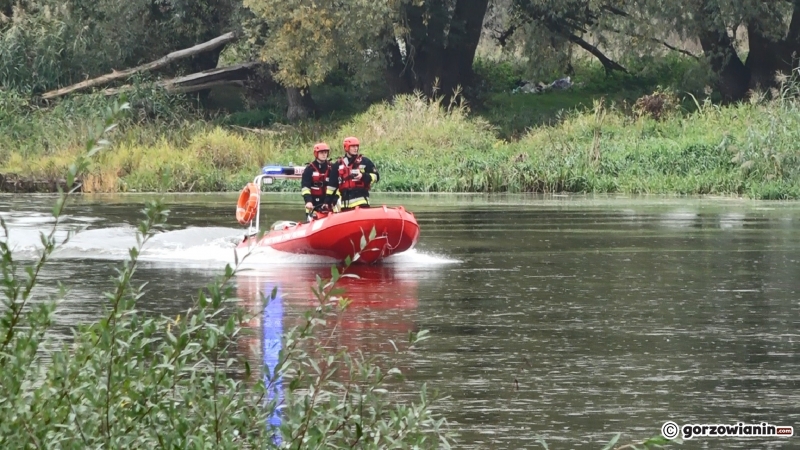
<point>424,145</point>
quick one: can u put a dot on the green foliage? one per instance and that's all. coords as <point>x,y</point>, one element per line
<point>258,118</point>
<point>497,76</point>
<point>645,73</point>
<point>47,43</point>
<point>513,114</point>
<point>36,45</point>
<point>30,132</point>
<point>425,145</point>
<point>342,100</point>
<point>307,40</point>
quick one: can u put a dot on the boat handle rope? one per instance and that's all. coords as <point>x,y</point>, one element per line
<point>402,229</point>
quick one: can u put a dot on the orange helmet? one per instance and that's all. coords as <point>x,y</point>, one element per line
<point>321,147</point>
<point>350,141</point>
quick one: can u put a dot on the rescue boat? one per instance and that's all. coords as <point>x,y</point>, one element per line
<point>382,231</point>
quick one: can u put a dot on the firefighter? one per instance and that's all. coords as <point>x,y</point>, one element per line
<point>351,178</point>
<point>313,181</point>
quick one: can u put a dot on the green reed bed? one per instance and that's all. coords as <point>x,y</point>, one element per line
<point>420,145</point>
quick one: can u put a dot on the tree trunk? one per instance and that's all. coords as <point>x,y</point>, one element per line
<point>768,57</point>
<point>301,105</point>
<point>440,49</point>
<point>177,89</point>
<point>791,50</point>
<point>569,25</point>
<point>6,9</point>
<point>396,74</point>
<point>608,64</point>
<point>733,78</point>
<point>462,42</point>
<point>230,75</point>
<point>793,37</point>
<point>425,45</point>
<point>764,59</point>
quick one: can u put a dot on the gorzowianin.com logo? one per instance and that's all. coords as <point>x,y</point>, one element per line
<point>671,430</point>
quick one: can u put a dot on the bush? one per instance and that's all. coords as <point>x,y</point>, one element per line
<point>656,105</point>
<point>496,76</point>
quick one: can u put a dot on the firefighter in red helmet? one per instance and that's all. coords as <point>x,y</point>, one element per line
<point>351,177</point>
<point>312,184</point>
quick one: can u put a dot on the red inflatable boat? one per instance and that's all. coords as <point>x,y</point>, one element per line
<point>336,235</point>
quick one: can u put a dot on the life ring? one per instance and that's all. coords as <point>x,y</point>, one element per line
<point>248,203</point>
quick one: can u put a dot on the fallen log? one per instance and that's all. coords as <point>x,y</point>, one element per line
<point>235,72</point>
<point>230,75</point>
<point>178,89</point>
<point>200,87</point>
<point>116,75</point>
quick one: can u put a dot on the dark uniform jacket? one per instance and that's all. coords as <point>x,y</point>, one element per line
<point>312,184</point>
<point>340,181</point>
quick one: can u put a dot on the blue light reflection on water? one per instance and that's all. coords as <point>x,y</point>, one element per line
<point>272,330</point>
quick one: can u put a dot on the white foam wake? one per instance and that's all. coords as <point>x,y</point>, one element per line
<point>193,246</point>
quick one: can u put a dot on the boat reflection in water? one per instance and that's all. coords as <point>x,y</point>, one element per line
<point>383,306</point>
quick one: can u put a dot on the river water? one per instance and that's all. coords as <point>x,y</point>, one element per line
<point>566,318</point>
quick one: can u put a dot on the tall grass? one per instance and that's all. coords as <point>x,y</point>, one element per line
<point>424,145</point>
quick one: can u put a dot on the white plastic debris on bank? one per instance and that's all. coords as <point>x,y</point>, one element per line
<point>529,87</point>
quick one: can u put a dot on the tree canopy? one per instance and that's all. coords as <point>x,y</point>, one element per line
<point>415,43</point>
<point>407,44</point>
<point>306,39</point>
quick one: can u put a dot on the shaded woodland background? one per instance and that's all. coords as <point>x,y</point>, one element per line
<point>390,47</point>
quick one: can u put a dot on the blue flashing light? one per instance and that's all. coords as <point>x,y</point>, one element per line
<point>272,170</point>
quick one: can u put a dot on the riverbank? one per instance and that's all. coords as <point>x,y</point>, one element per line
<point>423,146</point>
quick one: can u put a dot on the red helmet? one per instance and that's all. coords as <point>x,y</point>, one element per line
<point>350,141</point>
<point>321,147</point>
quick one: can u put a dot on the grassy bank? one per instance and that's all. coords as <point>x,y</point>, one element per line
<point>748,149</point>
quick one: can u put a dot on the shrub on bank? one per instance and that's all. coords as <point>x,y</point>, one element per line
<point>717,150</point>
<point>421,146</point>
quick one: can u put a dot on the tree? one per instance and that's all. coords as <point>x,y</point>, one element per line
<point>416,44</point>
<point>304,40</point>
<point>772,30</point>
<point>547,31</point>
<point>188,22</point>
<point>559,22</point>
<point>307,39</point>
<point>439,39</point>
<point>301,105</point>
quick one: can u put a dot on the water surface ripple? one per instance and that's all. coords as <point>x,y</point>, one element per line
<point>569,318</point>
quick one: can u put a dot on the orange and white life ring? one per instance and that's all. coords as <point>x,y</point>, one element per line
<point>248,203</point>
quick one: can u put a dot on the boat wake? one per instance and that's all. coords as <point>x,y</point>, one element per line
<point>207,247</point>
